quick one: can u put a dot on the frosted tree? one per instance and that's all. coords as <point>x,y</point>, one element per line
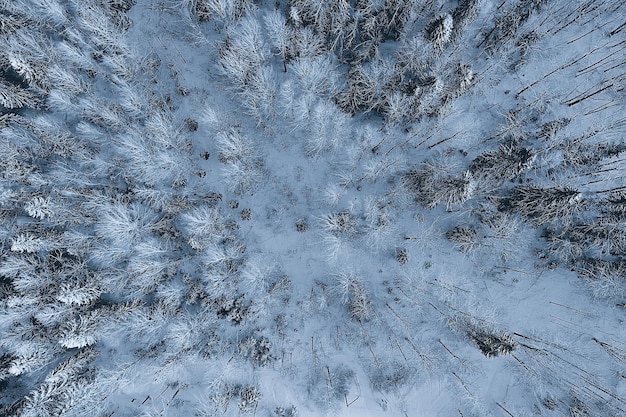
<point>28,357</point>
<point>249,397</point>
<point>414,58</point>
<point>429,99</point>
<point>117,9</point>
<point>52,209</point>
<point>13,267</point>
<point>69,81</point>
<point>397,107</point>
<point>352,292</point>
<point>121,223</point>
<point>224,12</point>
<point>308,43</point>
<point>605,277</point>
<point>200,8</point>
<point>491,343</point>
<point>67,390</point>
<point>107,116</point>
<point>244,51</point>
<point>29,243</point>
<point>543,205</point>
<point>81,292</point>
<point>431,188</point>
<point>14,97</point>
<point>439,31</point>
<point>380,228</point>
<point>368,85</point>
<point>10,23</point>
<point>464,78</point>
<point>150,263</point>
<point>326,125</point>
<point>463,14</point>
<point>504,164</point>
<point>29,53</point>
<point>281,35</point>
<point>202,225</point>
<point>102,31</point>
<point>82,330</point>
<point>464,237</point>
<point>243,165</point>
<point>316,75</point>
<point>71,367</point>
<point>260,96</point>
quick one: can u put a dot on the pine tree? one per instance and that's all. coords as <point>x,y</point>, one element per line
<point>492,344</point>
<point>439,31</point>
<point>396,107</point>
<point>80,292</point>
<point>29,357</point>
<point>464,237</point>
<point>308,43</point>
<point>29,243</point>
<point>506,163</point>
<point>29,53</point>
<point>260,96</point>
<point>352,292</point>
<point>543,205</point>
<point>281,35</point>
<point>82,330</point>
<point>244,51</point>
<point>463,13</point>
<point>14,97</point>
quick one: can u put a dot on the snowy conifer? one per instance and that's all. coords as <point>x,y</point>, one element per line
<point>29,54</point>
<point>79,293</point>
<point>281,35</point>
<point>15,97</point>
<point>29,357</point>
<point>543,205</point>
<point>29,243</point>
<point>244,51</point>
<point>260,95</point>
<point>396,108</point>
<point>69,369</point>
<point>507,163</point>
<point>82,330</point>
<point>490,343</point>
<point>352,292</point>
<point>439,31</point>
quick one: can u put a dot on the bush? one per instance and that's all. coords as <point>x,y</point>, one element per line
<point>390,375</point>
<point>341,223</point>
<point>401,255</point>
<point>249,397</point>
<point>257,350</point>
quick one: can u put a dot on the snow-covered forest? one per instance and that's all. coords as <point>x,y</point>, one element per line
<point>313,207</point>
